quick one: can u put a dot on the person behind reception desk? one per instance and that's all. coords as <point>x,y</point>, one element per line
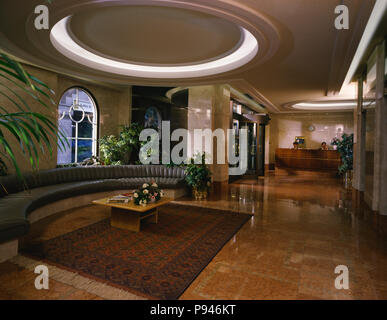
<point>324,146</point>
<point>295,145</point>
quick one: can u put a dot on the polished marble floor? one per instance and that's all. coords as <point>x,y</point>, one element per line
<point>300,230</point>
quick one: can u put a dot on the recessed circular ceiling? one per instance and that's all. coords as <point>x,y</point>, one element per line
<point>153,42</point>
<point>328,105</point>
<point>154,35</point>
<point>324,105</point>
<point>148,42</point>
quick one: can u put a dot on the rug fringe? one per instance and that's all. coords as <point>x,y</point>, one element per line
<point>101,290</point>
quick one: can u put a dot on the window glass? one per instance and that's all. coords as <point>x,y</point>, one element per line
<point>78,121</point>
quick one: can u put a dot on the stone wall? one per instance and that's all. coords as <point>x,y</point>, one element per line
<point>285,127</point>
<point>114,104</point>
<point>209,108</point>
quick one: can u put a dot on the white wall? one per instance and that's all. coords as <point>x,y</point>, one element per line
<point>285,127</point>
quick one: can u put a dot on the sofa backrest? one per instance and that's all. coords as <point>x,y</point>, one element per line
<point>12,184</point>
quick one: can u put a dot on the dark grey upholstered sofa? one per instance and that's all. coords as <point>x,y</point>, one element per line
<point>18,199</point>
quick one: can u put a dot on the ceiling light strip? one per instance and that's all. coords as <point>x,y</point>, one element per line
<point>63,42</point>
<point>376,17</point>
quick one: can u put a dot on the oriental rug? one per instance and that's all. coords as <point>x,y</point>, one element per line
<point>159,262</point>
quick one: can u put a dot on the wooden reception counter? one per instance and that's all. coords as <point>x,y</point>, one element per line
<point>306,161</point>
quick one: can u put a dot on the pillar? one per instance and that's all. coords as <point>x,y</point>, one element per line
<point>359,141</point>
<point>209,108</point>
<point>379,202</point>
<point>221,120</point>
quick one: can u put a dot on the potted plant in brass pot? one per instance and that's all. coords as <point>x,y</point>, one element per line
<point>345,148</point>
<point>198,176</point>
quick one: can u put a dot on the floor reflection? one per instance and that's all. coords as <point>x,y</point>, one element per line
<point>300,230</point>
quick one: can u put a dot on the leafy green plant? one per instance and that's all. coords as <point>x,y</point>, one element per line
<point>129,141</point>
<point>345,148</point>
<point>110,150</point>
<point>198,175</point>
<point>123,149</point>
<point>32,131</point>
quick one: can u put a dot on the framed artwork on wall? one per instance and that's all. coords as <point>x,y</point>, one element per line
<point>152,119</point>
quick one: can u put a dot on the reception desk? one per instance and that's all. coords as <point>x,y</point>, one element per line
<point>307,161</point>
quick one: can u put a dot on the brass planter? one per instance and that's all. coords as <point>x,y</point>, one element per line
<point>347,179</point>
<point>199,194</point>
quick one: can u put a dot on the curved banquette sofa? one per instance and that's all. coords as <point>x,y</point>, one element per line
<point>18,199</point>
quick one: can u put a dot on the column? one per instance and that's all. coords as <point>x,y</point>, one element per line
<point>221,120</point>
<point>359,141</point>
<point>379,202</point>
<point>209,108</point>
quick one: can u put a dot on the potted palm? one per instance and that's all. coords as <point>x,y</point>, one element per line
<point>198,176</point>
<point>21,127</point>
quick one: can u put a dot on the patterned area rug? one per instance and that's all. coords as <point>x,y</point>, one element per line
<point>159,262</point>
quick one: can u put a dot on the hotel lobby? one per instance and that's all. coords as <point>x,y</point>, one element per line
<point>193,150</point>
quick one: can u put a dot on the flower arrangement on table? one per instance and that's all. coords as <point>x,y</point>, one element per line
<point>148,193</point>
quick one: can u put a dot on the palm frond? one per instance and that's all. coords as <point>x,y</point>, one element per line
<point>34,132</point>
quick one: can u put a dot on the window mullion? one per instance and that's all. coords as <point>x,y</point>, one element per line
<point>76,143</point>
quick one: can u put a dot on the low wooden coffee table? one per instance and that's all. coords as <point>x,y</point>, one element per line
<point>129,215</point>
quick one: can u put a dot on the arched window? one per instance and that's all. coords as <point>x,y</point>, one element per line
<point>78,120</point>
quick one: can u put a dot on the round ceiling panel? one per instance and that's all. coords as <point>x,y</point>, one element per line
<point>154,35</point>
<point>147,41</point>
<point>153,42</point>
